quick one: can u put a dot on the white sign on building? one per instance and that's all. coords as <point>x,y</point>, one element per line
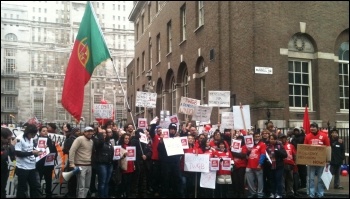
<point>263,70</point>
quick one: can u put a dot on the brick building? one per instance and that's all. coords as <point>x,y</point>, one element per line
<point>187,48</point>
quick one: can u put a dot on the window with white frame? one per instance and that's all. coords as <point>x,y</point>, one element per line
<point>10,52</point>
<point>38,109</point>
<point>344,76</point>
<point>173,96</point>
<point>150,57</point>
<point>169,36</point>
<point>10,66</point>
<point>183,23</point>
<point>158,48</point>
<point>200,13</point>
<point>10,85</point>
<point>10,37</point>
<point>299,83</point>
<point>10,102</point>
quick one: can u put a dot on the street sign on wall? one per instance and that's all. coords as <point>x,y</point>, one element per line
<point>263,70</point>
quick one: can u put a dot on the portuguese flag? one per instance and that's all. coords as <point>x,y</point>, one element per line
<point>89,51</point>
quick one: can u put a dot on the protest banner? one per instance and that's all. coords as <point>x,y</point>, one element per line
<point>187,105</point>
<point>219,98</point>
<point>196,162</point>
<point>202,113</point>
<point>146,99</point>
<point>227,121</point>
<point>313,155</point>
<point>173,146</point>
<point>241,117</point>
<point>103,111</point>
<point>208,180</point>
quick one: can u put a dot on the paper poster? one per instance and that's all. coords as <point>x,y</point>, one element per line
<point>268,157</point>
<point>326,176</point>
<point>249,142</point>
<point>130,153</point>
<point>236,146</point>
<point>226,164</point>
<point>219,98</point>
<point>142,123</point>
<point>41,144</point>
<point>202,113</point>
<point>173,146</point>
<point>116,155</point>
<point>187,105</point>
<point>143,138</point>
<point>45,152</point>
<point>241,117</point>
<point>50,159</point>
<point>196,162</point>
<point>165,133</point>
<point>208,180</point>
<point>112,142</point>
<point>214,164</point>
<point>184,142</point>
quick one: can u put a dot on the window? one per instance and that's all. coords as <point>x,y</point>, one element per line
<point>150,54</point>
<point>344,76</point>
<point>185,84</point>
<point>169,36</point>
<point>137,67</point>
<point>200,13</point>
<point>173,96</point>
<point>202,82</point>
<point>11,37</point>
<point>10,52</point>
<point>97,99</point>
<point>143,61</point>
<point>137,31</point>
<point>142,23</point>
<point>149,12</point>
<point>299,83</point>
<point>10,102</point>
<point>158,48</point>
<point>10,85</point>
<point>10,66</point>
<point>183,23</point>
<point>157,6</point>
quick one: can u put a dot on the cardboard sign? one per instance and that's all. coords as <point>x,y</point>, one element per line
<point>314,155</point>
<point>196,162</point>
<point>116,155</point>
<point>208,180</point>
<point>187,105</point>
<point>103,111</point>
<point>131,153</point>
<point>219,98</point>
<point>241,117</point>
<point>227,120</point>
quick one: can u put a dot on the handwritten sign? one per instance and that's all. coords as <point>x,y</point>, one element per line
<point>314,155</point>
<point>103,111</point>
<point>208,180</point>
<point>202,113</point>
<point>227,120</point>
<point>196,162</point>
<point>219,98</point>
<point>146,99</point>
<point>173,146</point>
<point>187,105</point>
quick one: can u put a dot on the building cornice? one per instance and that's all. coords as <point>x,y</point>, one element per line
<point>136,10</point>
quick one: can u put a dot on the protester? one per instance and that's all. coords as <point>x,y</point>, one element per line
<point>337,157</point>
<point>25,164</point>
<point>299,137</point>
<point>155,133</point>
<point>130,168</point>
<point>238,174</point>
<point>7,149</point>
<point>80,156</point>
<point>223,178</point>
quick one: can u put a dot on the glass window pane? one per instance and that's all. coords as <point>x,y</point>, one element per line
<point>346,68</point>
<point>298,102</point>
<point>305,101</point>
<point>290,89</point>
<point>297,67</point>
<point>346,92</point>
<point>305,79</point>
<point>291,78</point>
<point>291,102</point>
<point>290,66</point>
<point>341,93</point>
<point>346,80</point>
<point>347,103</point>
<point>297,90</point>
<point>341,102</point>
<point>297,78</point>
<point>305,67</point>
<point>340,68</point>
<point>341,80</point>
<point>304,91</point>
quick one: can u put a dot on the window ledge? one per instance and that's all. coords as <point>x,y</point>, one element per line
<point>158,63</point>
<point>198,28</point>
<point>182,42</point>
<point>168,54</point>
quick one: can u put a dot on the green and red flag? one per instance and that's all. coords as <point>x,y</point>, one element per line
<point>89,51</point>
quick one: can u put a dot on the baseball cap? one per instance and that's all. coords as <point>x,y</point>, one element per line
<point>88,128</point>
<point>172,126</point>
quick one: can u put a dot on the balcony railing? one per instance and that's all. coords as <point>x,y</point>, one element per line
<point>9,109</point>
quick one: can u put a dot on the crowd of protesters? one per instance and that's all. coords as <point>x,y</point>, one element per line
<point>267,169</point>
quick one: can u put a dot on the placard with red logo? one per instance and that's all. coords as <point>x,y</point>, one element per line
<point>236,146</point>
<point>130,153</point>
<point>50,159</point>
<point>41,143</point>
<point>214,164</point>
<point>184,142</point>
<point>249,142</point>
<point>226,164</point>
<point>165,133</point>
<point>142,123</point>
<point>116,155</point>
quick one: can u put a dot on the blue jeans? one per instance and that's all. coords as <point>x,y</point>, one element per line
<point>312,171</point>
<point>277,179</point>
<point>104,172</point>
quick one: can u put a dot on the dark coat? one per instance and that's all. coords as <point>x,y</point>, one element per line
<point>338,152</point>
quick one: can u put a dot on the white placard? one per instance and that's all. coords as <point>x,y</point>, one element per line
<point>146,99</point>
<point>196,162</point>
<point>164,124</point>
<point>227,121</point>
<point>219,98</point>
<point>249,141</point>
<point>142,123</point>
<point>50,159</point>
<point>143,138</point>
<point>214,164</point>
<point>116,155</point>
<point>268,157</point>
<point>165,133</point>
<point>184,142</point>
<point>45,152</point>
<point>130,153</point>
<point>202,113</point>
<point>236,146</point>
<point>226,164</point>
<point>187,105</point>
<point>238,111</point>
<point>42,142</point>
<point>103,111</point>
<point>173,146</point>
<point>208,180</point>
<point>263,70</point>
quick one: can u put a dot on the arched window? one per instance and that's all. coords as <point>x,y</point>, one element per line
<point>344,76</point>
<point>202,80</point>
<point>185,84</point>
<point>10,37</point>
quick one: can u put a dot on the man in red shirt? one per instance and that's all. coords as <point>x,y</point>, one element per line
<point>316,137</point>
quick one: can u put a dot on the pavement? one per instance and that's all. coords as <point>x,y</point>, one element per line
<point>338,193</point>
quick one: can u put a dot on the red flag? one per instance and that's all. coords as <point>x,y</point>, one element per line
<point>306,122</point>
<point>89,51</point>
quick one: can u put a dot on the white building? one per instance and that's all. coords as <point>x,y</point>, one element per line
<point>36,41</point>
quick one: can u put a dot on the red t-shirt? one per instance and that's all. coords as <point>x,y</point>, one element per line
<point>290,153</point>
<point>155,143</point>
<point>254,156</point>
<point>318,139</point>
<point>239,163</point>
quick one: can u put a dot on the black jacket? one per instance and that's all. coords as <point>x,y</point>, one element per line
<point>104,150</point>
<point>298,139</point>
<point>338,152</point>
<point>280,154</point>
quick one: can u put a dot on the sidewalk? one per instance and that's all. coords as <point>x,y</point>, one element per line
<point>344,182</point>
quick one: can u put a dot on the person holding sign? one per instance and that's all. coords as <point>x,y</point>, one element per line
<point>25,164</point>
<point>170,167</point>
<point>316,137</point>
<point>238,174</point>
<point>43,170</point>
<point>254,173</point>
<point>155,133</point>
<point>126,174</point>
